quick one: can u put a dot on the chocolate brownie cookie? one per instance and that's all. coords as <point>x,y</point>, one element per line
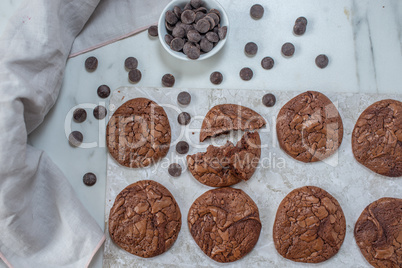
<point>145,219</point>
<point>309,225</point>
<point>377,138</point>
<point>225,224</point>
<point>378,233</point>
<point>228,164</point>
<point>225,117</point>
<point>138,133</point>
<point>309,127</point>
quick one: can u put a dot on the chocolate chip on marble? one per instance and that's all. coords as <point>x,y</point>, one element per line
<point>222,32</point>
<point>202,25</point>
<point>212,37</point>
<point>184,98</point>
<point>177,44</point>
<point>321,61</point>
<point>300,26</point>
<point>251,48</point>
<point>288,49</point>
<point>91,64</point>
<point>177,11</point>
<point>178,32</point>
<point>184,118</point>
<point>75,138</point>
<point>131,63</point>
<point>182,147</point>
<point>193,36</point>
<point>103,91</point>
<point>196,3</point>
<point>100,112</point>
<point>153,31</point>
<point>134,76</point>
<point>168,80</point>
<point>170,17</point>
<point>188,17</point>
<point>269,100</point>
<point>216,78</point>
<point>246,74</point>
<point>174,170</point>
<point>301,20</point>
<point>89,179</point>
<point>168,39</point>
<point>79,115</point>
<point>206,45</point>
<point>267,63</point>
<point>257,11</point>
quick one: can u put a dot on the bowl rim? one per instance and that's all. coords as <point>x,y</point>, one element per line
<point>180,55</point>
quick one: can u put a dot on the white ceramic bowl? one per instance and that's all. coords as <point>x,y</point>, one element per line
<point>181,3</point>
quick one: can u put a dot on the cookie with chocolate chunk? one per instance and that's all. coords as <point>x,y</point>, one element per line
<point>145,219</point>
<point>225,117</point>
<point>228,164</point>
<point>309,225</point>
<point>138,134</point>
<point>377,138</point>
<point>309,127</point>
<point>378,233</point>
<point>225,224</point>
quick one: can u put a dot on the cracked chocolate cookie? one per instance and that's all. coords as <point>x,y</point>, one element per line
<point>309,127</point>
<point>138,134</point>
<point>225,117</point>
<point>378,233</point>
<point>377,138</point>
<point>225,224</point>
<point>145,219</point>
<point>309,225</point>
<point>228,164</point>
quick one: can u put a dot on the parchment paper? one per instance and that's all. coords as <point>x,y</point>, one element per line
<point>353,185</point>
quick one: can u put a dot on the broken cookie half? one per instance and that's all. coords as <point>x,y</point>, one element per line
<point>228,164</point>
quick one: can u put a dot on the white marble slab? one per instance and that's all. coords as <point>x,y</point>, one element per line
<point>353,185</point>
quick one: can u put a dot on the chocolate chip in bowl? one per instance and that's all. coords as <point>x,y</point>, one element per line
<point>199,29</point>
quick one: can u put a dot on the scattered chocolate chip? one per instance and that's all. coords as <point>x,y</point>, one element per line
<point>100,112</point>
<point>321,61</point>
<point>170,17</point>
<point>212,37</point>
<point>89,179</point>
<point>153,31</point>
<point>177,11</point>
<point>193,36</point>
<point>187,17</point>
<point>205,45</point>
<point>202,25</point>
<point>300,26</point>
<point>301,20</point>
<point>174,170</point>
<point>184,118</point>
<point>103,91</point>
<point>177,44</point>
<point>288,49</point>
<point>178,32</point>
<point>257,11</point>
<point>168,39</point>
<point>267,63</point>
<point>79,115</point>
<point>168,80</point>
<point>246,74</point>
<point>216,78</point>
<point>91,64</point>
<point>75,138</point>
<point>182,147</point>
<point>134,76</point>
<point>222,32</point>
<point>131,63</point>
<point>269,100</point>
<point>184,98</point>
<point>251,48</point>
